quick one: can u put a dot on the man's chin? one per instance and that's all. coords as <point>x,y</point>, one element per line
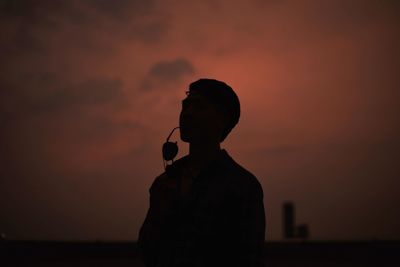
<point>185,138</point>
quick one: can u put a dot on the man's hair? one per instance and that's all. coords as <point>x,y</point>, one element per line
<point>223,96</point>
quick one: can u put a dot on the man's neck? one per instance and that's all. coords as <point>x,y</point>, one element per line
<point>201,154</point>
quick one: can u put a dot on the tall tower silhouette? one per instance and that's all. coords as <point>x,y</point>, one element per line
<point>288,220</point>
<point>289,227</point>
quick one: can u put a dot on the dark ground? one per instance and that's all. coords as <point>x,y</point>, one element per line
<point>120,254</point>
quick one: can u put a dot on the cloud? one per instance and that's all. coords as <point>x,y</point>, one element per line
<point>78,11</point>
<point>171,70</point>
<point>148,31</point>
<point>123,9</point>
<point>32,26</point>
<point>46,92</point>
<point>27,24</point>
<point>167,72</point>
<point>86,93</point>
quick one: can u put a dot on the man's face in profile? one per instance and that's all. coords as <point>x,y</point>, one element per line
<point>200,120</point>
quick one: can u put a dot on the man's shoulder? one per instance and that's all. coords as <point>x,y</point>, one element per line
<point>159,179</point>
<point>167,177</point>
<point>162,181</point>
<point>241,178</point>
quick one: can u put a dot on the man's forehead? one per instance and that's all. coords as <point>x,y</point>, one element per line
<point>193,93</point>
<point>195,96</point>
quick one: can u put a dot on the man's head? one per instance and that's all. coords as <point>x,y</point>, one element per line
<point>209,112</point>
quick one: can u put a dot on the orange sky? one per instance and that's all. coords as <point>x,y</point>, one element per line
<point>89,90</point>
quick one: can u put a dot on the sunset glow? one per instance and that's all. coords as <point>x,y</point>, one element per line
<point>89,90</point>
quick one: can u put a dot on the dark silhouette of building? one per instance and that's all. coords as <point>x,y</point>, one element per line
<point>288,220</point>
<point>290,230</point>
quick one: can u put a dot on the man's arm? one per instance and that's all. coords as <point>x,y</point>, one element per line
<point>149,235</point>
<point>252,226</point>
<point>151,232</point>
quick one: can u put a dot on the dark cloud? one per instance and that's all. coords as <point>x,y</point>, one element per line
<point>89,92</point>
<point>167,72</point>
<point>171,71</point>
<point>31,21</point>
<point>149,31</point>
<point>123,9</point>
<point>29,25</point>
<point>131,19</point>
<point>46,10</point>
<point>41,93</point>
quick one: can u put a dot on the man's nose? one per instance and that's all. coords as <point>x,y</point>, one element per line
<point>187,111</point>
<point>185,116</point>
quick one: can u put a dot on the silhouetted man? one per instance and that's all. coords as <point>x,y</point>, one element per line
<point>205,209</point>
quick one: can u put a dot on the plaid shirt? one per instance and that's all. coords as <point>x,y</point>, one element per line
<point>220,223</point>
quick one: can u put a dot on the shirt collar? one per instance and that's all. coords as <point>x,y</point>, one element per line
<point>220,158</point>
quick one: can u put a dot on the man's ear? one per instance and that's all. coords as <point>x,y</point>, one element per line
<point>224,119</point>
